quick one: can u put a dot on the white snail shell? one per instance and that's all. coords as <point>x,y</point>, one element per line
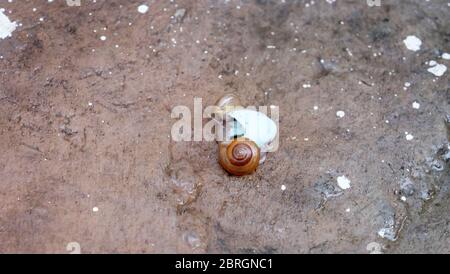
<point>256,126</point>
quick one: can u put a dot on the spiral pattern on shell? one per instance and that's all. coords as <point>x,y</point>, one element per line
<point>241,154</point>
<point>240,157</point>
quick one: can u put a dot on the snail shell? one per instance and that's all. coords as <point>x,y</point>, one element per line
<point>228,100</point>
<point>240,157</point>
<point>227,103</point>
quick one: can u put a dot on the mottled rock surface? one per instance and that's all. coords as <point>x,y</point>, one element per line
<point>86,154</point>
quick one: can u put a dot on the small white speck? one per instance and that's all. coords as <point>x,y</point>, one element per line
<point>95,209</point>
<point>283,187</point>
<point>403,198</point>
<point>343,182</point>
<point>142,9</point>
<point>446,56</point>
<point>409,137</point>
<point>415,105</point>
<point>90,104</point>
<point>438,70</point>
<point>103,37</point>
<point>316,107</point>
<point>412,43</point>
<point>347,210</point>
<point>340,114</point>
<point>349,52</point>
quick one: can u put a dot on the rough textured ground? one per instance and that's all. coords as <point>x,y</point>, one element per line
<point>85,123</point>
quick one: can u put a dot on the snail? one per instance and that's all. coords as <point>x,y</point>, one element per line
<point>240,157</point>
<point>245,138</point>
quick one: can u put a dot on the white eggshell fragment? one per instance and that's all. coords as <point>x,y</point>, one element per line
<point>256,126</point>
<point>438,70</point>
<point>412,43</point>
<point>343,182</point>
<point>6,26</point>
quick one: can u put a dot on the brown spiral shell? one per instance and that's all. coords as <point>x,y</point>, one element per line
<point>240,157</point>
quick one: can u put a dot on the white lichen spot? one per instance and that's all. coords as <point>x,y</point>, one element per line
<point>387,233</point>
<point>343,182</point>
<point>374,248</point>
<point>412,43</point>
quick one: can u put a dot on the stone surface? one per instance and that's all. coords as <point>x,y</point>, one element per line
<point>86,123</point>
